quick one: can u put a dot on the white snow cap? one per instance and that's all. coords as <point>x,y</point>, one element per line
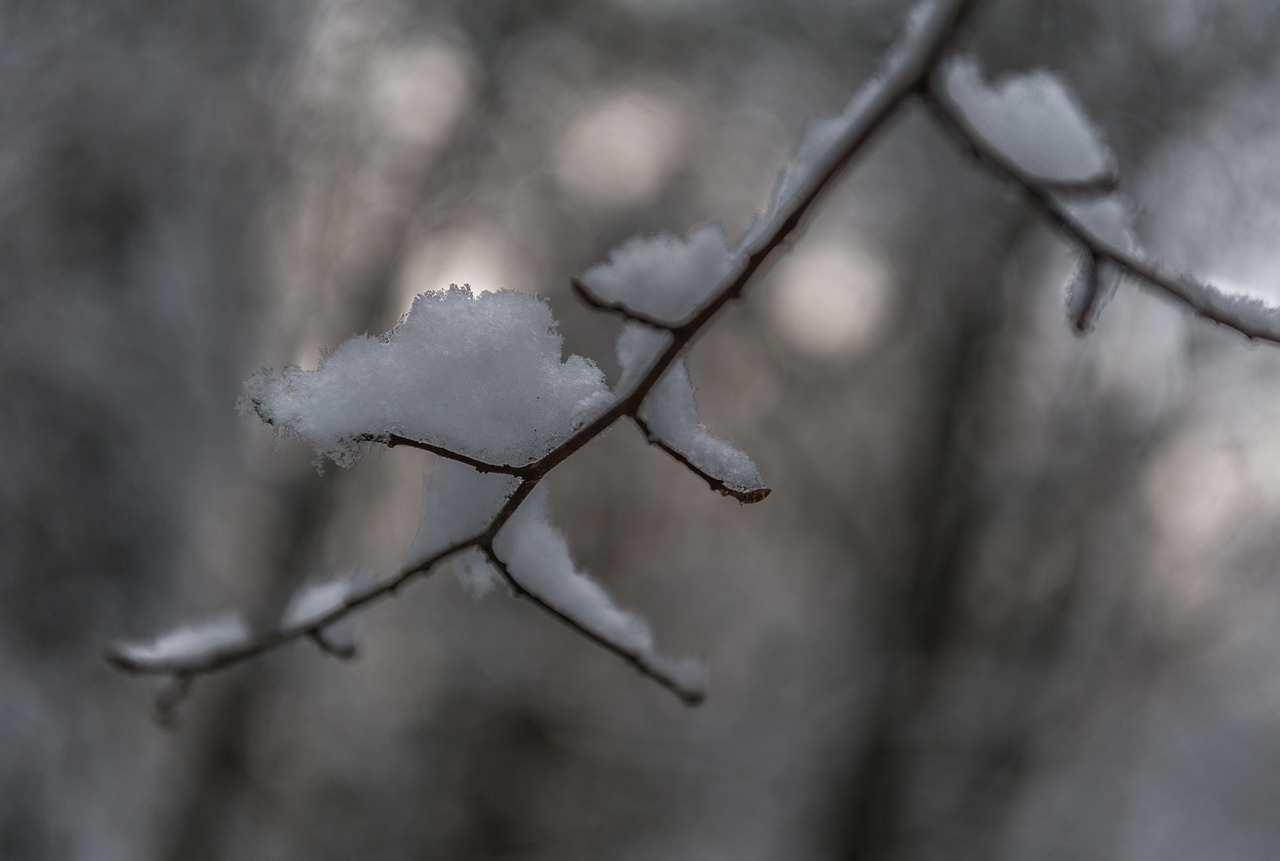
<point>457,503</point>
<point>1108,219</point>
<point>637,346</point>
<point>538,557</point>
<point>817,145</point>
<point>187,643</point>
<point>671,415</point>
<point>478,375</point>
<point>821,137</point>
<point>313,602</point>
<point>1033,119</point>
<point>663,276</point>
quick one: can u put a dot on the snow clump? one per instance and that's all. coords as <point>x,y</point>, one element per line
<point>537,556</point>
<point>671,415</point>
<point>458,503</point>
<point>1033,119</point>
<point>481,376</point>
<point>664,276</point>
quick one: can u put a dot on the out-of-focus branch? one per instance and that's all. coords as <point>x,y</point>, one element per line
<point>908,68</point>
<point>219,658</point>
<point>1247,316</point>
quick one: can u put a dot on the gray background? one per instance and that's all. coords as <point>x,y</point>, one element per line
<point>1014,594</point>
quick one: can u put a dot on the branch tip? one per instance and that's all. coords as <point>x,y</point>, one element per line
<point>341,651</point>
<point>1257,324</point>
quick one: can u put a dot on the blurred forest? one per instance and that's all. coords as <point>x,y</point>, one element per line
<point>1014,595</point>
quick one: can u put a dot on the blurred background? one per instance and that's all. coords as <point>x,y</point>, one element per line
<point>1015,594</point>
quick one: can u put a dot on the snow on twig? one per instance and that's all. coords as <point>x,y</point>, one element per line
<point>1100,226</point>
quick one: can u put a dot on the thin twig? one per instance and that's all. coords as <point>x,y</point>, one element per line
<point>1085,296</point>
<point>1247,316</point>
<point>689,696</point>
<point>744,496</point>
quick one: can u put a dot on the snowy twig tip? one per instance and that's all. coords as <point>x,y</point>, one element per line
<point>341,651</point>
<point>180,648</point>
<point>1083,294</point>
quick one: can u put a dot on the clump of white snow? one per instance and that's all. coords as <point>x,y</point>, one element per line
<point>457,503</point>
<point>638,345</point>
<point>537,556</point>
<point>478,375</point>
<point>1032,119</point>
<point>1108,220</point>
<point>312,603</point>
<point>817,146</point>
<point>671,415</point>
<point>187,643</point>
<point>474,572</point>
<point>663,276</point>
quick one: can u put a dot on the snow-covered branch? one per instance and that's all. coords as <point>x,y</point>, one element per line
<point>480,380</point>
<point>1030,132</point>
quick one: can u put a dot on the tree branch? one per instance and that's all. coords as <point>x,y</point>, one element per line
<point>743,496</point>
<point>130,660</point>
<point>394,440</point>
<point>583,292</point>
<point>689,696</point>
<point>910,64</point>
<point>1249,317</point>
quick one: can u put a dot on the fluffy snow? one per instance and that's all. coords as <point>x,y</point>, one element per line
<point>1108,220</point>
<point>1035,122</point>
<point>821,138</point>
<point>478,375</point>
<point>188,643</point>
<point>671,413</point>
<point>638,345</point>
<point>663,276</point>
<point>1249,313</point>
<point>457,503</point>
<point>538,557</point>
<point>1032,119</point>
<point>817,146</point>
<point>313,603</point>
<point>672,417</point>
